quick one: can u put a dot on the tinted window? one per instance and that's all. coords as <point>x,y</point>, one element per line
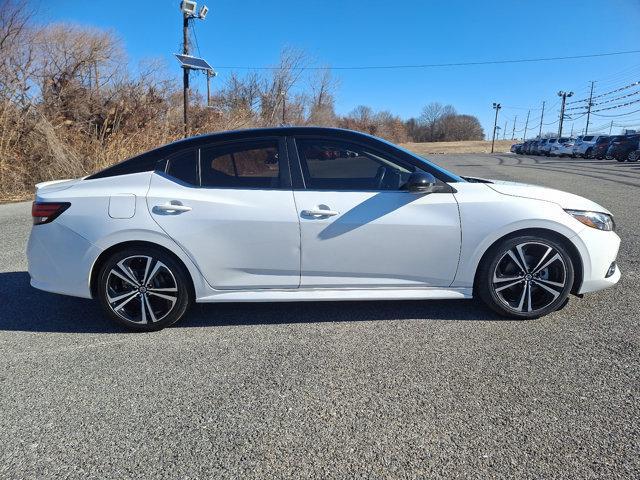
<point>336,165</point>
<point>588,138</point>
<point>553,140</point>
<point>184,166</point>
<point>603,139</point>
<point>241,165</point>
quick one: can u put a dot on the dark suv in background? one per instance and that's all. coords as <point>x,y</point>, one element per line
<point>621,146</point>
<point>599,148</point>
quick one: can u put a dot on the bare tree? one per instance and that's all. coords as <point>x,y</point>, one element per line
<point>321,109</point>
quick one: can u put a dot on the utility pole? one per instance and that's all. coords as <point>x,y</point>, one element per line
<point>526,124</point>
<point>513,131</point>
<point>541,118</point>
<point>504,131</point>
<point>284,107</point>
<point>564,96</point>
<point>611,127</point>
<point>496,107</point>
<point>188,9</point>
<point>586,129</point>
<point>571,134</point>
<point>185,73</point>
<point>208,73</point>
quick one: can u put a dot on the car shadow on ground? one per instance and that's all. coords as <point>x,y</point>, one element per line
<point>30,310</point>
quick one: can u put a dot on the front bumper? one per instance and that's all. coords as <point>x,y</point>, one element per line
<point>598,250</point>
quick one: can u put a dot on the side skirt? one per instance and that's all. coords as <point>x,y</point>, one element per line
<point>337,294</point>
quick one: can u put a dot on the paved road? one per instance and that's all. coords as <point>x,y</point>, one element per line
<point>413,389</point>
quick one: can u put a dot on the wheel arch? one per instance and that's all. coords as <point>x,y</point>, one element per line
<point>573,251</point>
<point>105,254</point>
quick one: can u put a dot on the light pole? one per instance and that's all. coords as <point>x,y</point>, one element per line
<point>496,107</point>
<point>188,9</point>
<point>564,96</point>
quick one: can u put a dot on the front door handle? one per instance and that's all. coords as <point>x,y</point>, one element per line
<point>317,212</point>
<point>172,207</point>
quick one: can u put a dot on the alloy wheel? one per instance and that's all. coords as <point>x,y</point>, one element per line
<point>529,277</point>
<point>141,289</point>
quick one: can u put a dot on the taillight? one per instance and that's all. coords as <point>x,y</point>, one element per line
<point>45,212</point>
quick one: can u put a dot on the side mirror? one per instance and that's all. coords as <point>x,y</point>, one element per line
<point>421,182</point>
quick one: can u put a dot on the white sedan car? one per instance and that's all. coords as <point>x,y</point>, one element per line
<point>297,214</point>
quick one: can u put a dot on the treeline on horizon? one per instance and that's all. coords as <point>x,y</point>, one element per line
<point>70,105</point>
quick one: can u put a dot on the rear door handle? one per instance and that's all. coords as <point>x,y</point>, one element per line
<point>319,213</point>
<point>172,207</point>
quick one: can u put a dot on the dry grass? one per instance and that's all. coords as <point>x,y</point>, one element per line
<point>482,146</point>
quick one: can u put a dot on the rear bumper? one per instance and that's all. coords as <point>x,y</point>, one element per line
<point>599,250</point>
<point>60,260</point>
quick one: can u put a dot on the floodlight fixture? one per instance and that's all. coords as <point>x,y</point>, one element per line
<point>203,12</point>
<point>188,7</point>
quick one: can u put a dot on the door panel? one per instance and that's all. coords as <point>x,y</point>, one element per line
<point>378,239</point>
<point>237,238</point>
<point>242,230</point>
<point>374,233</point>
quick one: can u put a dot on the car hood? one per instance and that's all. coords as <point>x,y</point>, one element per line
<point>564,199</point>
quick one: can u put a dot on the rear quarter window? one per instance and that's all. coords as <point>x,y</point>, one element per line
<point>183,166</point>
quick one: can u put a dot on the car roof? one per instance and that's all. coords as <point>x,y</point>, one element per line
<point>268,132</point>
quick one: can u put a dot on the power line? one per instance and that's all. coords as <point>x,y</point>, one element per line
<point>631,85</point>
<point>436,65</point>
<point>614,116</point>
<point>617,106</point>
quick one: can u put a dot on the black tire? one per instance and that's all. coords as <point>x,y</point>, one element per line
<point>633,156</point>
<point>512,300</point>
<point>588,153</point>
<point>160,301</point>
<point>620,159</point>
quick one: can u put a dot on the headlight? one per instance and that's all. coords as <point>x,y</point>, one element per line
<point>601,221</point>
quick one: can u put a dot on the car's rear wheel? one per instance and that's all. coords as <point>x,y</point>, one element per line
<point>588,153</point>
<point>525,277</point>
<point>621,159</point>
<point>143,288</point>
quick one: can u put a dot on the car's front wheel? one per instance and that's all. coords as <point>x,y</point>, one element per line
<point>525,277</point>
<point>634,156</point>
<point>143,288</point>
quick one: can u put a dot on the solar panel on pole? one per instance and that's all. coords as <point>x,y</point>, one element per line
<point>196,63</point>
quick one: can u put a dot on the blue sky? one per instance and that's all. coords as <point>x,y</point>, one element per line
<point>374,32</point>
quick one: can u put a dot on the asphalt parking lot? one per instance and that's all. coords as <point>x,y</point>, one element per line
<point>331,390</point>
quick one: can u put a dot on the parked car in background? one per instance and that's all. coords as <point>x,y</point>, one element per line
<point>516,148</point>
<point>547,146</point>
<point>585,144</point>
<point>621,146</point>
<point>533,150</point>
<point>599,149</point>
<point>562,147</point>
<point>526,147</point>
<point>582,143</point>
<point>542,145</point>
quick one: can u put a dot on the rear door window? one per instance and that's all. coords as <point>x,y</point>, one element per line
<point>253,164</point>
